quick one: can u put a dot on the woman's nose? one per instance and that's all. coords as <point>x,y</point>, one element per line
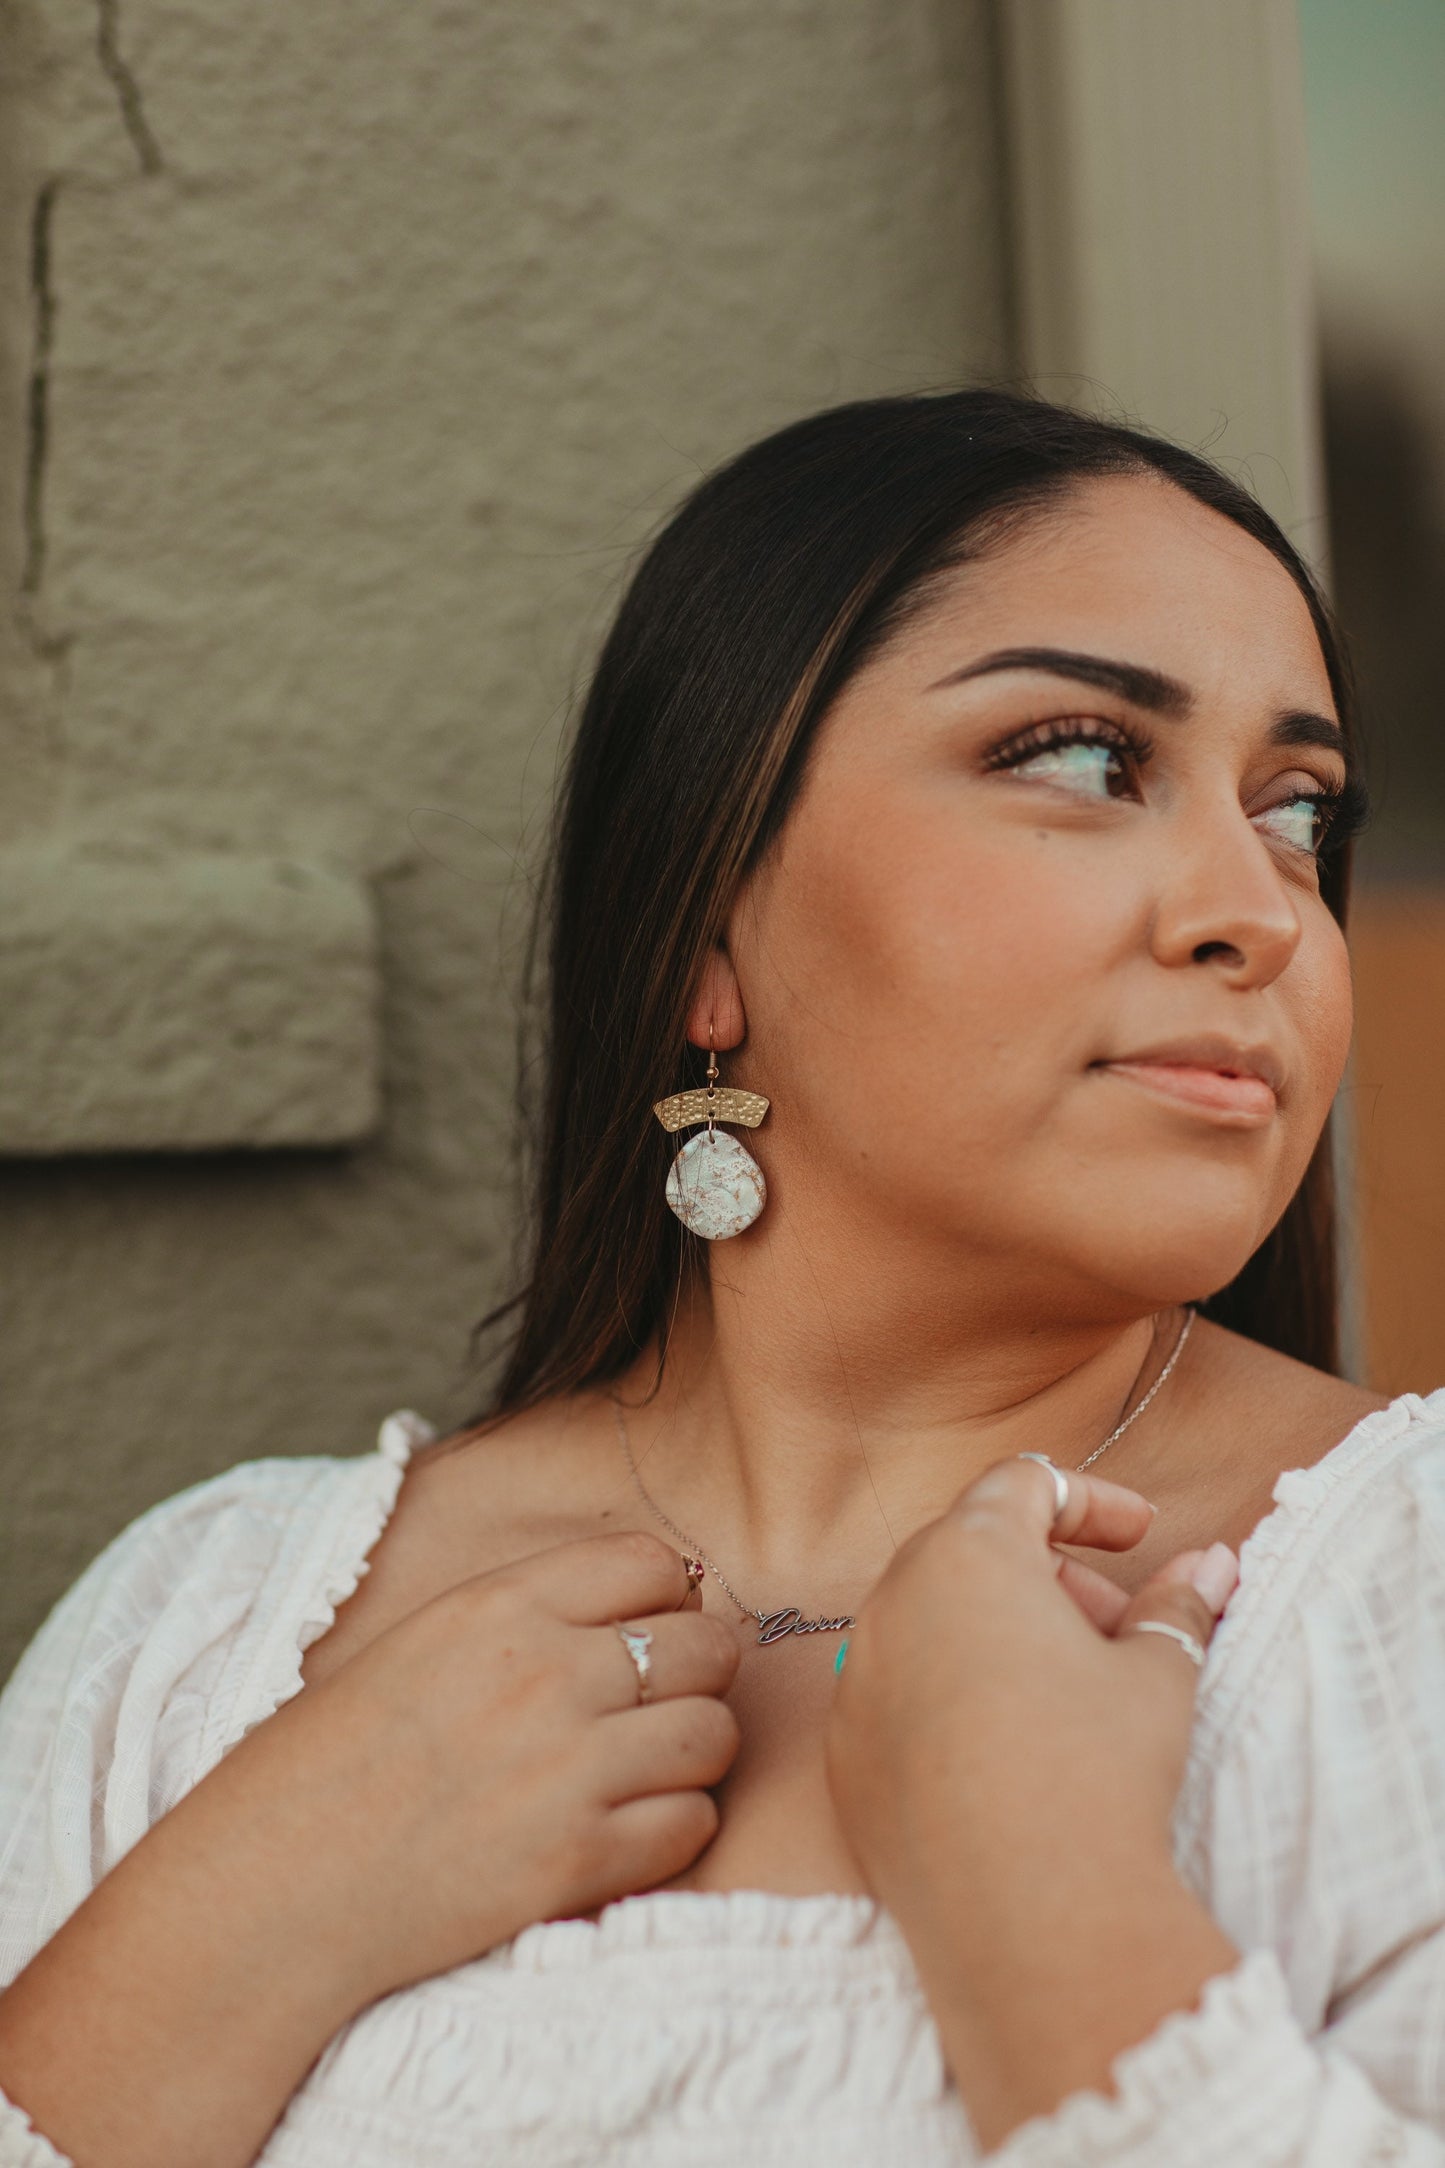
<point>1225,903</point>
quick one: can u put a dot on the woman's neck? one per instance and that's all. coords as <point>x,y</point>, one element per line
<point>804,1422</point>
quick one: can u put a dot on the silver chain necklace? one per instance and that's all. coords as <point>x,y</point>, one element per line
<point>788,1618</point>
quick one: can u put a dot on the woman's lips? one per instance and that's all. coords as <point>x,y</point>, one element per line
<point>1213,1091</point>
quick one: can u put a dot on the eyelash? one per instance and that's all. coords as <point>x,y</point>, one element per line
<point>1342,808</point>
<point>1131,744</point>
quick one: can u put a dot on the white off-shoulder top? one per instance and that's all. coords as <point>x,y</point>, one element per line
<point>787,2032</point>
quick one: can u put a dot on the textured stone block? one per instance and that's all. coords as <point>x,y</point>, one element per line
<point>183,1004</point>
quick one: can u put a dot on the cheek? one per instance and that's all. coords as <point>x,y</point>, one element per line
<point>949,962</point>
<point>980,921</point>
<point>1321,998</point>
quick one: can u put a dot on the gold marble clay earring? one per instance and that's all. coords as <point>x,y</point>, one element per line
<point>715,1186</point>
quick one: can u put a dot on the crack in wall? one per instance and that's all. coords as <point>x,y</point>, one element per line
<point>44,304</point>
<point>127,89</point>
<point>37,402</point>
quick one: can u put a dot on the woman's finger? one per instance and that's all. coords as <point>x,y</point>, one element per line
<point>1101,1515</point>
<point>648,1840</point>
<point>608,1577</point>
<point>681,1745</point>
<point>1101,1600</point>
<point>687,1652</point>
<point>1185,1599</point>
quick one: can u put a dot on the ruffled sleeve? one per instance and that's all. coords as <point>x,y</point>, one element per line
<point>184,1632</point>
<point>21,2145</point>
<point>1319,1844</point>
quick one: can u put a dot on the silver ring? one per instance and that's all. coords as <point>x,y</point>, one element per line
<point>639,1648</point>
<point>1192,1648</point>
<point>1061,1483</point>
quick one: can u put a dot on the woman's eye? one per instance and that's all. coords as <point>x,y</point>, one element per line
<point>1093,769</point>
<point>1297,822</point>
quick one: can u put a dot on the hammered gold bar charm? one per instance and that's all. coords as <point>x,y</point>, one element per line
<point>743,1109</point>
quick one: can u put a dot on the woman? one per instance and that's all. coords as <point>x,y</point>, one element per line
<point>739,1747</point>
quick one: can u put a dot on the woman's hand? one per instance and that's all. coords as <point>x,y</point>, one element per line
<point>483,1764</point>
<point>1005,1754</point>
<point>495,1763</point>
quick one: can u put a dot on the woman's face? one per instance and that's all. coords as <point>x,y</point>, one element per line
<point>1039,970</point>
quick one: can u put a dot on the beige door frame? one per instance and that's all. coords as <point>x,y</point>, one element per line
<point>1161,239</point>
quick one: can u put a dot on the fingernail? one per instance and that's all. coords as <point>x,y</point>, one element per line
<point>1215,1574</point>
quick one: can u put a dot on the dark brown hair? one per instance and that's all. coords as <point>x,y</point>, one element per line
<point>764,593</point>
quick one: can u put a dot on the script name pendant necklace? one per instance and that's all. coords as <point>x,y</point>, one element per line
<point>772,1625</point>
<point>788,1618</point>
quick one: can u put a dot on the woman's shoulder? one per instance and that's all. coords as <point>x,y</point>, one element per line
<point>242,1564</point>
<point>228,1529</point>
<point>1375,1497</point>
<point>1287,1411</point>
<point>186,1630</point>
<point>502,1489</point>
<point>1341,1595</point>
<point>1313,1813</point>
<point>1369,1508</point>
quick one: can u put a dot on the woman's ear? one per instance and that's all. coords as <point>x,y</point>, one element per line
<point>719,1002</point>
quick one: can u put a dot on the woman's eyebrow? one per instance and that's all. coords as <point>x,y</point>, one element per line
<point>1301,727</point>
<point>1143,687</point>
<point>1131,680</point>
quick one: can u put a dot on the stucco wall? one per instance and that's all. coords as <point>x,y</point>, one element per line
<point>347,352</point>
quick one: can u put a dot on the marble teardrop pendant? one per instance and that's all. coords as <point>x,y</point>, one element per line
<point>716,1187</point>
